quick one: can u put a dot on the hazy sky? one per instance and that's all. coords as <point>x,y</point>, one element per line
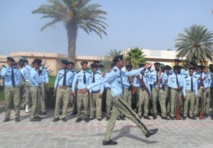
<point>150,24</point>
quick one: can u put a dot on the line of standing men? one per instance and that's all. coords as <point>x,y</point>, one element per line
<point>25,86</point>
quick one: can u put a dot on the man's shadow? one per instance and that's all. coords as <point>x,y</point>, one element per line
<point>125,132</point>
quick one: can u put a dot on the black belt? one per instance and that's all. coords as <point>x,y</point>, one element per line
<point>96,91</point>
<point>108,88</point>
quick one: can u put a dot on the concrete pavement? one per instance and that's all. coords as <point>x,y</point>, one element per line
<point>171,134</point>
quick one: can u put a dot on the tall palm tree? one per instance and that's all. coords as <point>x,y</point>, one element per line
<point>195,44</point>
<point>136,56</point>
<point>74,14</point>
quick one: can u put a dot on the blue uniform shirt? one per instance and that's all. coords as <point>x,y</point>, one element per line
<point>79,77</point>
<point>187,84</point>
<point>172,83</point>
<point>136,82</point>
<point>44,75</point>
<point>35,80</point>
<point>6,72</point>
<point>115,80</point>
<point>60,78</point>
<point>98,77</point>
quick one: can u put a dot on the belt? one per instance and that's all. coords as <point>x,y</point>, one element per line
<point>96,91</point>
<point>64,87</point>
<point>11,86</point>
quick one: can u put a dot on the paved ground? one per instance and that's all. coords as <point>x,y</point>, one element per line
<point>172,134</point>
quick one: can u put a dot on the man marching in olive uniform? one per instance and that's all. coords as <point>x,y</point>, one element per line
<point>62,88</point>
<point>35,82</point>
<point>119,105</point>
<point>82,78</point>
<point>95,101</point>
<point>11,90</point>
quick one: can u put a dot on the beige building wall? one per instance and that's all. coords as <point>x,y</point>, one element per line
<point>53,60</point>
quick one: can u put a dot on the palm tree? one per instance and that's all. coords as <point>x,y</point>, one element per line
<point>113,53</point>
<point>136,56</point>
<point>74,14</point>
<point>195,44</point>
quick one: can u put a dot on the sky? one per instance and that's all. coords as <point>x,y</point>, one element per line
<point>147,24</point>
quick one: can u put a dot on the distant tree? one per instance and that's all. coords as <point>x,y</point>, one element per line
<point>113,53</point>
<point>195,44</point>
<point>75,14</point>
<point>136,56</point>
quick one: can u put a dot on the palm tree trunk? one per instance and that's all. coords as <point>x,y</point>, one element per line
<point>72,36</point>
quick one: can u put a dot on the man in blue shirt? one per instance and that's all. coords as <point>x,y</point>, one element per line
<point>176,84</point>
<point>119,105</point>
<point>12,78</point>
<point>142,82</point>
<point>43,73</point>
<point>95,101</point>
<point>73,101</point>
<point>62,88</point>
<point>35,82</point>
<point>83,79</point>
<point>190,88</point>
<point>25,71</point>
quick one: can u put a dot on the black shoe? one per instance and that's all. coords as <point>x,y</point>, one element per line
<point>119,118</point>
<point>86,120</point>
<point>99,119</point>
<point>193,118</point>
<point>73,113</point>
<point>110,142</point>
<point>91,118</point>
<point>64,119</point>
<point>154,117</point>
<point>172,118</point>
<point>184,118</point>
<point>165,118</point>
<point>107,118</point>
<point>42,113</point>
<point>17,119</point>
<point>151,132</point>
<point>6,119</point>
<point>78,120</point>
<point>122,118</point>
<point>147,117</point>
<point>56,119</point>
<point>35,119</point>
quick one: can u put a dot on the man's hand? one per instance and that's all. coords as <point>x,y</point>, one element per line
<point>184,97</point>
<point>73,93</point>
<point>196,96</point>
<point>179,88</point>
<point>148,65</point>
<point>55,89</point>
<point>90,94</point>
<point>100,95</point>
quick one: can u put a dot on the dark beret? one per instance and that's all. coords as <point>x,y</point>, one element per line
<point>128,66</point>
<point>84,62</point>
<point>177,60</point>
<point>117,58</point>
<point>101,65</point>
<point>141,65</point>
<point>10,59</point>
<point>167,67</point>
<point>93,65</point>
<point>72,63</point>
<point>96,61</point>
<point>157,64</point>
<point>65,62</point>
